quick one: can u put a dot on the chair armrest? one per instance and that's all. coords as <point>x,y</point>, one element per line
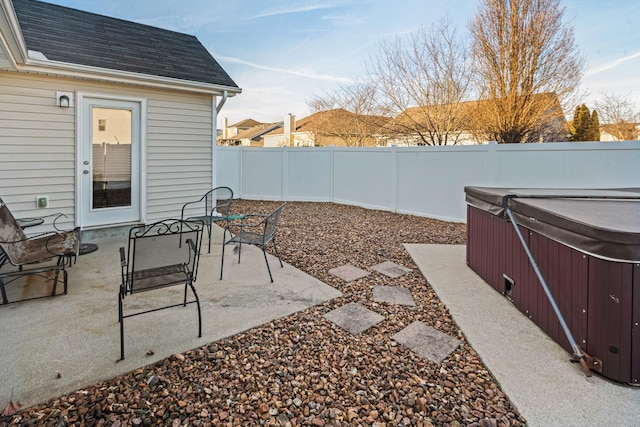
<point>193,202</point>
<point>193,252</point>
<point>123,271</point>
<point>254,220</point>
<point>253,228</point>
<point>57,217</point>
<point>32,237</point>
<point>256,215</point>
<point>69,243</point>
<point>183,207</point>
<point>243,226</point>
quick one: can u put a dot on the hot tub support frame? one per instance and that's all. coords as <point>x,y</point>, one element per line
<point>587,362</point>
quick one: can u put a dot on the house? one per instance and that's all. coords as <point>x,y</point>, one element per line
<point>229,132</point>
<point>252,136</point>
<point>463,123</point>
<point>113,122</point>
<point>290,134</point>
<point>623,131</point>
<point>337,127</point>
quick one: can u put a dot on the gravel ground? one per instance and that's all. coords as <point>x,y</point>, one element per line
<point>303,370</point>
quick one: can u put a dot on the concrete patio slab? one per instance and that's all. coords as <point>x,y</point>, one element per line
<point>353,317</point>
<point>391,269</point>
<point>427,341</point>
<point>532,369</point>
<point>349,272</point>
<point>60,344</point>
<point>393,295</point>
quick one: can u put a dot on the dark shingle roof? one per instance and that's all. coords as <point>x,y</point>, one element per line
<point>73,36</point>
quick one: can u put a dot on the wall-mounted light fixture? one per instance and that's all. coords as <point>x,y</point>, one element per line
<point>64,99</point>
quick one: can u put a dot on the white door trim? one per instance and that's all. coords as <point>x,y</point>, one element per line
<point>81,134</point>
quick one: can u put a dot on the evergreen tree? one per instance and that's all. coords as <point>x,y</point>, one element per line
<point>586,125</point>
<point>594,127</point>
<point>578,120</point>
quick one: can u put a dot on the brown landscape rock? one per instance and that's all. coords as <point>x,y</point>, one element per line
<point>302,369</point>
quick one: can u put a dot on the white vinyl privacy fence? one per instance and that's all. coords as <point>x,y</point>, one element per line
<point>424,181</point>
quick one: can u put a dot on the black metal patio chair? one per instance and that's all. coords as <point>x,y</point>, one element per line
<point>160,255</point>
<point>260,234</point>
<point>40,255</point>
<point>215,206</point>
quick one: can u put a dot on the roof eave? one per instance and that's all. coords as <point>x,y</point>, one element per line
<point>65,69</point>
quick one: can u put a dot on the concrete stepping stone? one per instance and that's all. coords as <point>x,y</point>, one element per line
<point>391,269</point>
<point>349,272</point>
<point>427,341</point>
<point>354,317</point>
<point>393,295</point>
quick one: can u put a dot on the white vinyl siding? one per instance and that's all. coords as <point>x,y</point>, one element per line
<point>179,152</point>
<point>37,148</point>
<point>38,145</point>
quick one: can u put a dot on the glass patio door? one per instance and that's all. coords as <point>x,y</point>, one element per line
<point>109,162</point>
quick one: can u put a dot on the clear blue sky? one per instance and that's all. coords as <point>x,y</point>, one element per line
<point>282,52</point>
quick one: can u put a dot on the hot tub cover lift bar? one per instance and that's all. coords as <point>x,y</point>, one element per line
<point>579,356</point>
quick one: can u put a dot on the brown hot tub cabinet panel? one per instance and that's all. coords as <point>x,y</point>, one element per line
<point>610,329</point>
<point>635,325</point>
<point>597,294</point>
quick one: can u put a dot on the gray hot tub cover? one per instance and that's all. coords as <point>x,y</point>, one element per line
<point>605,223</point>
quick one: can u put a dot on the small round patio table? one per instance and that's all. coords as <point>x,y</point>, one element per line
<point>87,248</point>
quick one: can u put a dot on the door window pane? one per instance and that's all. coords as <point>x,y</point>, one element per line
<point>111,172</point>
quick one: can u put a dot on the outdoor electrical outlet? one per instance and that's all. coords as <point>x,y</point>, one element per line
<point>42,202</point>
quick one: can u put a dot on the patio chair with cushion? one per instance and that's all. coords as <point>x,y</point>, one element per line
<point>259,233</point>
<point>44,255</point>
<point>158,256</point>
<point>214,206</point>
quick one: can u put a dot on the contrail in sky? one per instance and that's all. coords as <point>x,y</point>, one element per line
<point>613,64</point>
<point>287,9</point>
<point>301,73</point>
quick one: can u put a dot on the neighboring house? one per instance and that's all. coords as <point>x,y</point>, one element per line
<point>251,137</point>
<point>114,121</point>
<point>620,132</point>
<point>461,124</point>
<point>337,127</point>
<point>289,135</point>
<point>229,132</point>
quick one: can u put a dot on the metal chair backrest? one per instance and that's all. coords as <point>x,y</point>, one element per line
<point>270,224</point>
<point>10,231</point>
<point>162,254</point>
<point>218,201</point>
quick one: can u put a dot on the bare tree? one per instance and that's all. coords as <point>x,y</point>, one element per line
<point>522,50</point>
<point>619,116</point>
<point>350,115</point>
<point>424,80</point>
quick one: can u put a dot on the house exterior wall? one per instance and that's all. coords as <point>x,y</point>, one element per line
<point>301,139</point>
<point>38,145</point>
<point>465,138</point>
<point>606,136</point>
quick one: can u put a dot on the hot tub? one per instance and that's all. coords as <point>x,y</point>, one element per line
<point>586,245</point>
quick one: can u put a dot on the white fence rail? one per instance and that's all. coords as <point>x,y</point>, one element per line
<point>424,181</point>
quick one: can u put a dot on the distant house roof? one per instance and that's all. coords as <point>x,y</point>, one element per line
<point>246,124</point>
<point>467,111</point>
<point>339,118</point>
<point>254,134</point>
<point>258,130</point>
<point>62,34</point>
